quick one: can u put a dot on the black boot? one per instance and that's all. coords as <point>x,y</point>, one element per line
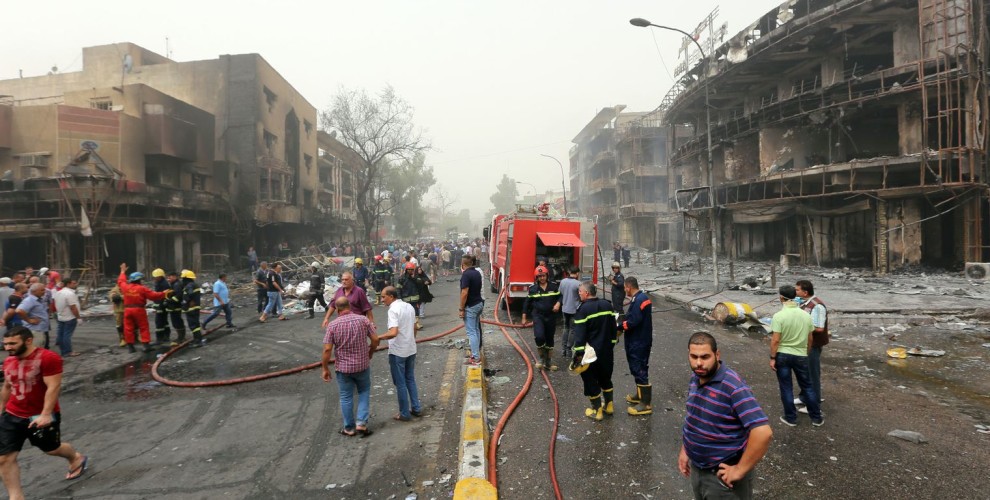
<point>540,358</point>
<point>147,347</point>
<point>644,407</point>
<point>548,359</point>
<point>130,348</point>
<point>634,399</point>
<point>311,314</point>
<point>607,395</point>
<point>181,336</point>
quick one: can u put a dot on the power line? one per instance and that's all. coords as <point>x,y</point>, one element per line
<point>659,53</point>
<point>488,155</point>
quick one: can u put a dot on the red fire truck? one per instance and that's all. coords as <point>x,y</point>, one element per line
<point>519,239</point>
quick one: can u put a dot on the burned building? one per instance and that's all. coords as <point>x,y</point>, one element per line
<point>229,138</point>
<point>843,132</point>
<point>619,173</point>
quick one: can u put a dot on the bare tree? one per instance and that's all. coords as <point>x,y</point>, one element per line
<point>380,130</point>
<point>444,200</point>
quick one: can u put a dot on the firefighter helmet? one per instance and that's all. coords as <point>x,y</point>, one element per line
<point>359,260</point>
<point>378,258</point>
<point>158,273</point>
<point>410,265</point>
<point>540,270</point>
<point>616,264</point>
<point>187,274</point>
<point>135,276</point>
<point>315,265</point>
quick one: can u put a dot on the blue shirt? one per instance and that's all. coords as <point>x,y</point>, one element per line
<point>35,308</point>
<point>719,417</point>
<point>220,290</point>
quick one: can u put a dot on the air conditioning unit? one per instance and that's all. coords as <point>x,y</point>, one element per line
<point>977,270</point>
<point>34,160</point>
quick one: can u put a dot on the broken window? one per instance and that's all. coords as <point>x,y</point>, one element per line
<point>270,98</point>
<point>198,182</point>
<point>308,161</point>
<point>308,127</point>
<point>271,140</point>
<point>104,103</point>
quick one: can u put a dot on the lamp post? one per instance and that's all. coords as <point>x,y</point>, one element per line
<point>562,187</point>
<point>643,23</point>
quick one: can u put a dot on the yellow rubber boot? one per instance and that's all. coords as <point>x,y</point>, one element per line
<point>645,406</point>
<point>607,394</point>
<point>596,412</point>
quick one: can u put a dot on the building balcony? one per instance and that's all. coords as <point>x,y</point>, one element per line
<point>630,173</point>
<point>267,162</point>
<point>602,157</point>
<point>169,136</point>
<point>643,209</point>
<point>601,184</point>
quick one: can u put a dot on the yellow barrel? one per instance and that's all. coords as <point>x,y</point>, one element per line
<point>732,313</point>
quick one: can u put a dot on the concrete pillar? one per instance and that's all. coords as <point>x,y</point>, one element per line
<point>909,125</point>
<point>833,66</point>
<point>907,46</point>
<point>881,258</point>
<point>141,259</point>
<point>197,257</point>
<point>178,244</point>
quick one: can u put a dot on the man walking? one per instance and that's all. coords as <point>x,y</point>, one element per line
<point>275,290</point>
<point>638,327</point>
<point>471,306</point>
<point>789,346</point>
<point>814,306</point>
<point>31,386</point>
<point>68,316</point>
<point>347,337</point>
<point>261,286</point>
<point>401,338</point>
<point>725,432</point>
<point>594,326</point>
<point>317,282</point>
<point>34,312</point>
<point>221,302</point>
<point>569,302</point>
<point>356,298</point>
<point>543,303</point>
<point>617,281</point>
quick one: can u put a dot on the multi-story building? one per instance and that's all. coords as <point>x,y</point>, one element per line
<point>619,173</point>
<point>850,132</point>
<point>263,151</point>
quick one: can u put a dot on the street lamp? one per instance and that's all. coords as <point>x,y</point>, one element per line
<point>643,23</point>
<point>564,189</point>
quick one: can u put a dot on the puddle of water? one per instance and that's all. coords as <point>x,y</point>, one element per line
<point>134,379</point>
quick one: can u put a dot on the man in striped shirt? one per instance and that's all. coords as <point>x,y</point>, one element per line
<point>347,338</point>
<point>725,432</point>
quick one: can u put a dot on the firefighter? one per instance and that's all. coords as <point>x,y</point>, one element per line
<point>316,285</point>
<point>594,326</point>
<point>618,288</point>
<point>410,285</point>
<point>174,307</point>
<point>360,274</point>
<point>543,303</point>
<point>136,297</point>
<point>162,331</point>
<point>381,276</point>
<point>191,306</point>
<point>638,329</point>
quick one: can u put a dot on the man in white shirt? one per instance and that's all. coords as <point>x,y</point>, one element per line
<point>401,338</point>
<point>68,315</point>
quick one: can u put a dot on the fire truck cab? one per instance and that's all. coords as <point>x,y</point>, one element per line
<point>520,239</point>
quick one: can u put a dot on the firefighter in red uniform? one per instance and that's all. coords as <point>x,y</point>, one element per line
<point>136,296</point>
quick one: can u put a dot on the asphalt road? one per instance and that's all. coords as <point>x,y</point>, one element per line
<point>851,456</point>
<point>270,439</point>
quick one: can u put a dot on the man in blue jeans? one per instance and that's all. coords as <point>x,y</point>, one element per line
<point>221,302</point>
<point>67,312</point>
<point>347,336</point>
<point>401,338</point>
<point>789,346</point>
<point>471,306</point>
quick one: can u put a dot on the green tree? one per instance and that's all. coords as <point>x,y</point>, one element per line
<point>504,197</point>
<point>379,128</point>
<point>406,184</point>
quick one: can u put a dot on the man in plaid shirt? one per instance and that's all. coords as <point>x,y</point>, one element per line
<point>347,336</point>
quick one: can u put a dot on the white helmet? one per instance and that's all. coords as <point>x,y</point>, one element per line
<point>315,265</point>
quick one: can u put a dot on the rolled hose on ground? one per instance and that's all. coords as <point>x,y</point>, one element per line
<point>254,378</point>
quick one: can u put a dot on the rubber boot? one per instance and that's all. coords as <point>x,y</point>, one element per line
<point>180,336</point>
<point>147,347</point>
<point>645,406</point>
<point>548,362</point>
<point>130,348</point>
<point>167,339</point>
<point>634,399</point>
<point>541,360</point>
<point>120,334</point>
<point>596,412</point>
<point>607,395</point>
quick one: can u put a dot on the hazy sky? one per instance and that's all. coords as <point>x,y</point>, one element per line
<point>494,83</point>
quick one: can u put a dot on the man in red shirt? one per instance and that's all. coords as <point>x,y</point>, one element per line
<point>355,296</point>
<point>32,381</point>
<point>136,296</point>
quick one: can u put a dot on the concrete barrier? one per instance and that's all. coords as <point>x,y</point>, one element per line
<point>472,477</point>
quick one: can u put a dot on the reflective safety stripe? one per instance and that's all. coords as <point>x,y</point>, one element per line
<point>196,329</point>
<point>581,348</point>
<point>597,314</point>
<point>191,309</point>
<point>548,294</point>
<point>644,304</point>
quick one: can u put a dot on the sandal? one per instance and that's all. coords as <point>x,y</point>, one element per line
<point>78,471</point>
<point>348,432</point>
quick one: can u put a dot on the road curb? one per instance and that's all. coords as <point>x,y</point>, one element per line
<point>472,477</point>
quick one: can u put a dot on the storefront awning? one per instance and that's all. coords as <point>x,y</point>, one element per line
<point>560,240</point>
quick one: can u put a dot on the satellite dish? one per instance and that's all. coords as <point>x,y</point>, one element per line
<point>54,69</point>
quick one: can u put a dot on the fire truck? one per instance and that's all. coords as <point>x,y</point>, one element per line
<point>518,240</point>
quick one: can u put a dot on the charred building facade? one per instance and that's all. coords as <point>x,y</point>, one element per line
<point>843,132</point>
<point>163,163</point>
